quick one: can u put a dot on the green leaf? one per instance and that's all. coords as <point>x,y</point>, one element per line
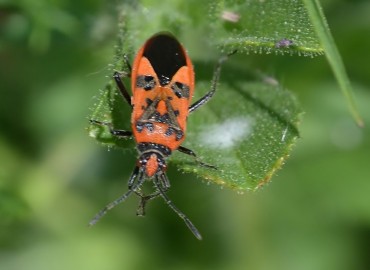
<point>265,26</point>
<point>247,131</point>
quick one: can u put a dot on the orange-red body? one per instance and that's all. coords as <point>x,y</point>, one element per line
<point>171,89</point>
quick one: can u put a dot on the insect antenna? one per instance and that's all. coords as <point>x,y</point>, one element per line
<point>163,194</point>
<point>137,173</point>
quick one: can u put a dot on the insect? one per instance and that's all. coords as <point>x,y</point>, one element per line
<point>162,83</point>
<point>284,43</point>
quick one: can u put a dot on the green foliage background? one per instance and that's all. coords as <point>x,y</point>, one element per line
<point>315,214</point>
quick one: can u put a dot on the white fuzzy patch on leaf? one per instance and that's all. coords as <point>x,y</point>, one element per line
<point>227,134</point>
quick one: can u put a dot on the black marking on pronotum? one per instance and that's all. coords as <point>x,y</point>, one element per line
<point>147,82</point>
<point>157,117</point>
<point>181,90</point>
<point>171,130</point>
<point>166,56</point>
<point>162,118</point>
<point>139,126</point>
<point>149,126</point>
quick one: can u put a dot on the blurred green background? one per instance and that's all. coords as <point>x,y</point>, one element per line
<point>315,214</point>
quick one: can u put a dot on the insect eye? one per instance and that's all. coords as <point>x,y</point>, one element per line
<point>139,163</point>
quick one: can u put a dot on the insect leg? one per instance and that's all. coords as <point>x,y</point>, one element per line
<point>190,152</point>
<point>122,88</point>
<point>137,173</point>
<point>162,193</point>
<point>144,199</point>
<point>117,77</point>
<point>215,79</point>
<point>115,132</point>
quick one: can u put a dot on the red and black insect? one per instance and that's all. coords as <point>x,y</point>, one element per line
<point>162,83</point>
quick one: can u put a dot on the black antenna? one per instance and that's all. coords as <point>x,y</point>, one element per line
<point>136,173</point>
<point>187,221</point>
